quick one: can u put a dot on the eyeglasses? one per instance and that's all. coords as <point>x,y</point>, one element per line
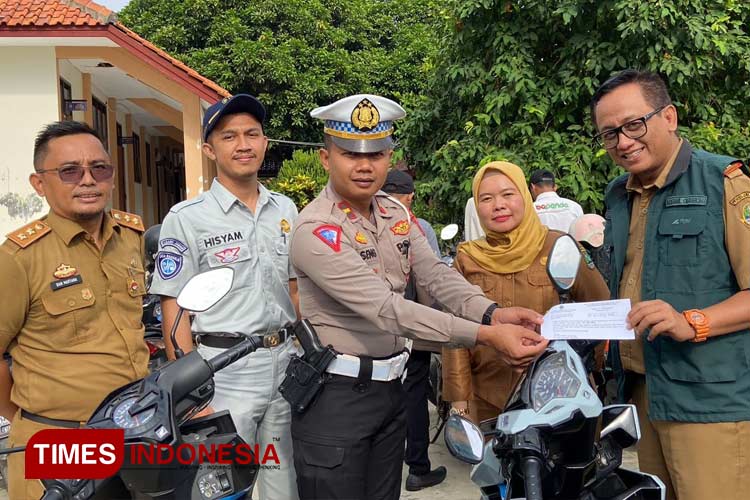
<point>73,174</point>
<point>634,129</point>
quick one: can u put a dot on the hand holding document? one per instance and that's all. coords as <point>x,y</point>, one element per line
<point>604,320</point>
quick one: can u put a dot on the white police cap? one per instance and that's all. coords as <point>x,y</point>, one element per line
<point>361,123</point>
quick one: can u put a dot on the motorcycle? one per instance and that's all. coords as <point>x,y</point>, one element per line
<point>157,410</point>
<point>544,443</point>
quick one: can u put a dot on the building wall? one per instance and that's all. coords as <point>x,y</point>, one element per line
<point>28,101</point>
<point>72,75</point>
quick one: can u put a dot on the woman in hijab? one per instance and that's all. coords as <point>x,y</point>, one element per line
<point>509,264</point>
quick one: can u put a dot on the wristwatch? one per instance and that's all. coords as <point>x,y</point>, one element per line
<point>487,318</point>
<point>698,320</point>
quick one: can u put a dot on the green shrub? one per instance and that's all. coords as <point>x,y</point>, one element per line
<point>301,178</point>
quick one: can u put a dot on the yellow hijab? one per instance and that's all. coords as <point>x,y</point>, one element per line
<point>505,253</point>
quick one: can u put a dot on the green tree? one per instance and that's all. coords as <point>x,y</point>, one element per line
<point>296,54</point>
<point>513,81</point>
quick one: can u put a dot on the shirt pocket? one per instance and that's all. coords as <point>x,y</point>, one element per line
<point>281,245</point>
<point>136,282</point>
<point>680,235</point>
<point>72,318</point>
<point>543,294</point>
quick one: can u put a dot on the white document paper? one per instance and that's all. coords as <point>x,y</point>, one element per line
<point>603,320</point>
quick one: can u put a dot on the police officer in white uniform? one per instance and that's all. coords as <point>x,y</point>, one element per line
<point>354,248</point>
<point>240,224</point>
<point>554,211</point>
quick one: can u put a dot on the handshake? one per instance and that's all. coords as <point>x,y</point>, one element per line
<point>514,333</point>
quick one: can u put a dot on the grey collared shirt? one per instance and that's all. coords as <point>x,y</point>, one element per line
<point>216,229</point>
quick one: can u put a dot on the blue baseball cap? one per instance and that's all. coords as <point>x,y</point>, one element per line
<point>240,103</point>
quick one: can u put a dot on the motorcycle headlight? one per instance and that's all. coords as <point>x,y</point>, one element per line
<point>552,379</point>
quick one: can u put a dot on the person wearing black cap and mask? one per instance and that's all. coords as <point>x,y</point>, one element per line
<point>554,211</point>
<point>240,224</point>
<point>400,185</point>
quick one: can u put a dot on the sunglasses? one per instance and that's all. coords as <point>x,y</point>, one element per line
<point>73,174</point>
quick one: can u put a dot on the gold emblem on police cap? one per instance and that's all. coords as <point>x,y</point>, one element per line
<point>365,116</point>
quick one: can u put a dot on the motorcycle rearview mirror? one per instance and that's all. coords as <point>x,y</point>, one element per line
<point>465,440</point>
<point>621,422</point>
<point>200,293</point>
<point>449,232</point>
<point>563,262</point>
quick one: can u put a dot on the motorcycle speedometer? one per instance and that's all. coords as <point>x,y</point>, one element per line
<point>122,418</point>
<point>553,379</point>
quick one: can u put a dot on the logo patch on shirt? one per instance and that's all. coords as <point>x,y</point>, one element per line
<point>734,201</point>
<point>64,271</point>
<point>169,258</point>
<point>360,238</point>
<point>330,235</point>
<point>746,214</point>
<point>221,239</point>
<point>401,228</point>
<point>228,255</point>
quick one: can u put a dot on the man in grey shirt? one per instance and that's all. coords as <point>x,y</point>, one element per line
<point>240,224</point>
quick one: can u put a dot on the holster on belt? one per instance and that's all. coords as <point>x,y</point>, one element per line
<point>306,375</point>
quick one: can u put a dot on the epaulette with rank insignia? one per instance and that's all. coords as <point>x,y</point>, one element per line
<point>28,234</point>
<point>736,168</point>
<point>128,220</point>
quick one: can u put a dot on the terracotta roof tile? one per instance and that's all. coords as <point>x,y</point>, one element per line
<point>72,14</point>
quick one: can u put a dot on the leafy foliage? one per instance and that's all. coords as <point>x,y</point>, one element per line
<point>301,178</point>
<point>296,54</point>
<point>513,81</point>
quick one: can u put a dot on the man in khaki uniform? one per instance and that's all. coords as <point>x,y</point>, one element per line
<point>72,296</point>
<point>678,226</point>
<point>353,249</point>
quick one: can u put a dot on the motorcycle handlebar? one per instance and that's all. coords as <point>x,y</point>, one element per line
<point>532,478</point>
<point>235,353</point>
<point>54,493</point>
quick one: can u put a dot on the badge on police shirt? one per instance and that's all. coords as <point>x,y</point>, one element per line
<point>401,228</point>
<point>360,238</point>
<point>330,235</point>
<point>285,227</point>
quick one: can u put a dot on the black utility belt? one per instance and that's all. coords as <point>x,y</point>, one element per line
<point>222,340</point>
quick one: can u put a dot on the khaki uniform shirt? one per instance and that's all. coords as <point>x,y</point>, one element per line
<point>352,273</point>
<point>479,373</point>
<point>72,313</point>
<point>737,241</point>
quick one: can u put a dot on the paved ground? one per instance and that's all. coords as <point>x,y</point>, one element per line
<point>457,485</point>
